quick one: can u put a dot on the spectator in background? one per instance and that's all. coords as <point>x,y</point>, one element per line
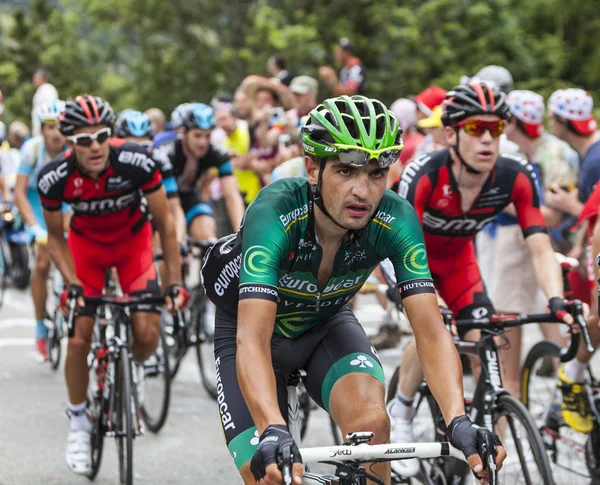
<point>3,132</point>
<point>45,92</point>
<point>157,117</point>
<point>277,67</point>
<point>243,107</point>
<point>496,74</point>
<point>10,158</point>
<point>571,120</point>
<point>428,99</point>
<point>406,112</point>
<point>352,75</point>
<point>304,90</point>
<point>235,140</point>
<point>433,130</point>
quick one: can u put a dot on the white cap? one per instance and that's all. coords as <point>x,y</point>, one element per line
<point>528,107</point>
<point>575,105</point>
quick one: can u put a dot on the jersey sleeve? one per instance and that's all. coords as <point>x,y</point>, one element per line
<point>143,169</point>
<point>51,183</point>
<point>265,243</point>
<point>26,159</point>
<point>526,198</point>
<point>224,165</point>
<point>406,250</point>
<point>416,185</point>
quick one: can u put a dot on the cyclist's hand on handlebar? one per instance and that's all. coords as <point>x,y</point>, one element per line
<point>559,307</point>
<point>73,290</point>
<point>176,297</point>
<point>275,443</point>
<point>473,441</point>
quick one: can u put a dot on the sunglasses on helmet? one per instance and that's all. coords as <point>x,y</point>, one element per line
<point>477,127</point>
<point>359,156</point>
<point>86,139</point>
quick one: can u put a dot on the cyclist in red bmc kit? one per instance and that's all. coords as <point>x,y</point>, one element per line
<point>111,186</point>
<point>455,192</point>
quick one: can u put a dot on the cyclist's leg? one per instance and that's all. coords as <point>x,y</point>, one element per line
<point>345,377</point>
<point>137,276</point>
<point>238,427</point>
<point>201,223</point>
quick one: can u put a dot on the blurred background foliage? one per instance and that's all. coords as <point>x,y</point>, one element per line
<point>158,53</point>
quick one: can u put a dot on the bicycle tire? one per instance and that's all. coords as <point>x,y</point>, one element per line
<point>205,339</point>
<point>20,272</point>
<point>154,424</point>
<point>98,430</point>
<point>512,409</point>
<point>54,347</point>
<point>543,349</point>
<point>123,416</point>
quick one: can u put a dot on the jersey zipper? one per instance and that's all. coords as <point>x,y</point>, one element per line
<point>318,301</point>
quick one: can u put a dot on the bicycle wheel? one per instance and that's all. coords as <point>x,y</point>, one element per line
<point>527,461</point>
<point>173,341</point>
<point>96,407</point>
<point>205,345</point>
<point>122,414</point>
<point>426,423</point>
<point>156,387</point>
<point>565,447</point>
<point>54,333</point>
<point>20,272</point>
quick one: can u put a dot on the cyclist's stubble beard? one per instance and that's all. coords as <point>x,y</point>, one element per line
<point>195,145</point>
<point>351,201</point>
<point>91,160</point>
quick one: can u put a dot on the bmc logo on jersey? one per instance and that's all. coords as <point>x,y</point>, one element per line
<point>137,160</point>
<point>409,172</point>
<point>52,177</point>
<point>459,225</point>
<point>104,206</point>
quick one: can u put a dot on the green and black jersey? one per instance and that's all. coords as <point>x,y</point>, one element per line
<point>276,256</point>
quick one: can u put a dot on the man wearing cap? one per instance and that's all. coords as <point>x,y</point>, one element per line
<point>510,280</point>
<point>352,75</point>
<point>571,120</point>
<point>432,127</point>
<point>304,89</point>
<point>428,99</point>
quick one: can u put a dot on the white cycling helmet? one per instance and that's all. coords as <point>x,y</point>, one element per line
<point>49,112</point>
<point>178,114</point>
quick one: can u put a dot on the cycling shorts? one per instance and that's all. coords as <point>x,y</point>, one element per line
<point>131,257</point>
<point>458,281</point>
<point>327,353</point>
<point>193,206</point>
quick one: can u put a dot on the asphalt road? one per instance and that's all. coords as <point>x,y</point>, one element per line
<point>189,450</point>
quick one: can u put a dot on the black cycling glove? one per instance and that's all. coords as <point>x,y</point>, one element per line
<point>275,442</point>
<point>472,439</point>
<point>558,306</point>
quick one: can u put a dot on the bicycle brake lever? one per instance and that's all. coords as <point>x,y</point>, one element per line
<point>584,330</point>
<point>70,322</point>
<point>285,464</point>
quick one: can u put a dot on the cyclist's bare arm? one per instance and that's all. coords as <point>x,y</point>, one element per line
<point>4,189</point>
<point>437,353</point>
<point>547,270</point>
<point>58,247</point>
<point>177,214</point>
<point>256,320</point>
<point>21,200</point>
<point>233,201</point>
<point>165,225</point>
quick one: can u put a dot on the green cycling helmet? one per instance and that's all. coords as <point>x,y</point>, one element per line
<point>355,129</point>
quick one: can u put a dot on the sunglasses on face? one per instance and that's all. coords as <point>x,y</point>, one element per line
<point>86,139</point>
<point>479,127</point>
<point>359,157</point>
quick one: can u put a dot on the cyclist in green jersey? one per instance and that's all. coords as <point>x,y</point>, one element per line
<point>282,284</point>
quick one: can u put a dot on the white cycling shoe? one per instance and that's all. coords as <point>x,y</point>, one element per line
<point>79,452</point>
<point>402,432</point>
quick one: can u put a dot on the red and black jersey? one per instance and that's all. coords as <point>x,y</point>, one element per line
<point>110,208</point>
<point>429,185</point>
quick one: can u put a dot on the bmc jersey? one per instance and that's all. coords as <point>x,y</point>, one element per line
<point>428,183</point>
<point>352,76</point>
<point>213,158</point>
<point>110,208</point>
<point>276,256</point>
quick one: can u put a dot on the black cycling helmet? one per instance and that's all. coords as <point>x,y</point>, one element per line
<point>85,110</point>
<point>474,98</point>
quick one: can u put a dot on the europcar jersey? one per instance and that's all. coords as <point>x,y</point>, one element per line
<point>276,256</point>
<point>428,183</point>
<point>107,209</point>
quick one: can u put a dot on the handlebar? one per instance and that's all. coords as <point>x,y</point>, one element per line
<point>501,322</point>
<point>121,301</point>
